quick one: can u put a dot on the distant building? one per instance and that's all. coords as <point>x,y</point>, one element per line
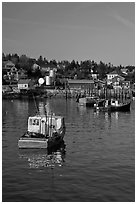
<point>94,75</point>
<point>126,84</point>
<point>25,84</point>
<point>111,75</point>
<point>22,74</point>
<point>6,89</point>
<point>100,84</point>
<point>124,71</point>
<point>80,84</point>
<point>10,71</point>
<point>117,81</point>
<point>7,65</point>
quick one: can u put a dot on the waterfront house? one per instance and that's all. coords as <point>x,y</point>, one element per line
<point>13,70</point>
<point>25,84</point>
<point>10,71</point>
<point>94,75</point>
<point>6,88</point>
<point>45,69</point>
<point>125,84</point>
<point>117,80</point>
<point>100,84</point>
<point>13,73</point>
<point>82,85</point>
<point>22,74</point>
<point>110,76</point>
<point>7,65</point>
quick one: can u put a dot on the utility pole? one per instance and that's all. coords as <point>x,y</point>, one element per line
<point>66,90</point>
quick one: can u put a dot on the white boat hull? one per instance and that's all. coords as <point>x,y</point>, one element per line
<point>39,143</point>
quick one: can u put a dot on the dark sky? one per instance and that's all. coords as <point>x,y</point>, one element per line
<point>70,30</point>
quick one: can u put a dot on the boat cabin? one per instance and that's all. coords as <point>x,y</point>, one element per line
<point>114,102</point>
<point>35,124</point>
<point>45,124</point>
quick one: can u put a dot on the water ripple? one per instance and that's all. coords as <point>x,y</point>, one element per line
<point>97,164</point>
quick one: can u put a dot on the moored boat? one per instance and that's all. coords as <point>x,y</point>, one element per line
<point>118,106</point>
<point>44,131</point>
<point>88,101</point>
<point>102,105</point>
<point>113,105</point>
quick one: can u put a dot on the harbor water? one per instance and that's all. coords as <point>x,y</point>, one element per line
<point>96,164</point>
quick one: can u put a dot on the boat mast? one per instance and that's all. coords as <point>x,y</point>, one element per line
<point>51,126</point>
<point>37,109</point>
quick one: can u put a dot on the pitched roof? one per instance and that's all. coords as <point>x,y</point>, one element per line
<point>118,77</point>
<point>24,81</point>
<point>9,63</point>
<point>80,81</point>
<point>114,72</point>
<point>124,70</point>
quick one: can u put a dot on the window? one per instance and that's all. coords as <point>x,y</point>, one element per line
<point>35,122</point>
<point>30,121</point>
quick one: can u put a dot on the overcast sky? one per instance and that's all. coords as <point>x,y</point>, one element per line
<point>70,30</point>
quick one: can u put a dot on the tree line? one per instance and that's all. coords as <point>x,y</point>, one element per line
<point>66,69</point>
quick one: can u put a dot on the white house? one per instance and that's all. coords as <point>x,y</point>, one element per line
<point>111,75</point>
<point>25,84</point>
<point>10,70</point>
<point>8,65</point>
<point>94,76</point>
<point>117,81</point>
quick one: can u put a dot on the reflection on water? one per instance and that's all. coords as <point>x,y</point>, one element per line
<point>43,158</point>
<point>102,119</point>
<point>108,115</point>
<point>116,115</point>
<point>82,109</point>
<point>109,119</point>
<point>99,165</point>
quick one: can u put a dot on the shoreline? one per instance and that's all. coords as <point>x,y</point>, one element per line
<point>54,93</point>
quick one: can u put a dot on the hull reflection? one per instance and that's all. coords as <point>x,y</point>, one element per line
<point>44,158</point>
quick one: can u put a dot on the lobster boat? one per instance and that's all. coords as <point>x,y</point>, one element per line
<point>113,105</point>
<point>117,106</point>
<point>44,131</point>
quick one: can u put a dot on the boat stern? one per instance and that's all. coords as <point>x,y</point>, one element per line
<point>25,143</point>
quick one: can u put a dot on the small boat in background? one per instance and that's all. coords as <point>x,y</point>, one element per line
<point>119,106</point>
<point>88,101</point>
<point>102,105</point>
<point>44,131</point>
<point>112,105</point>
